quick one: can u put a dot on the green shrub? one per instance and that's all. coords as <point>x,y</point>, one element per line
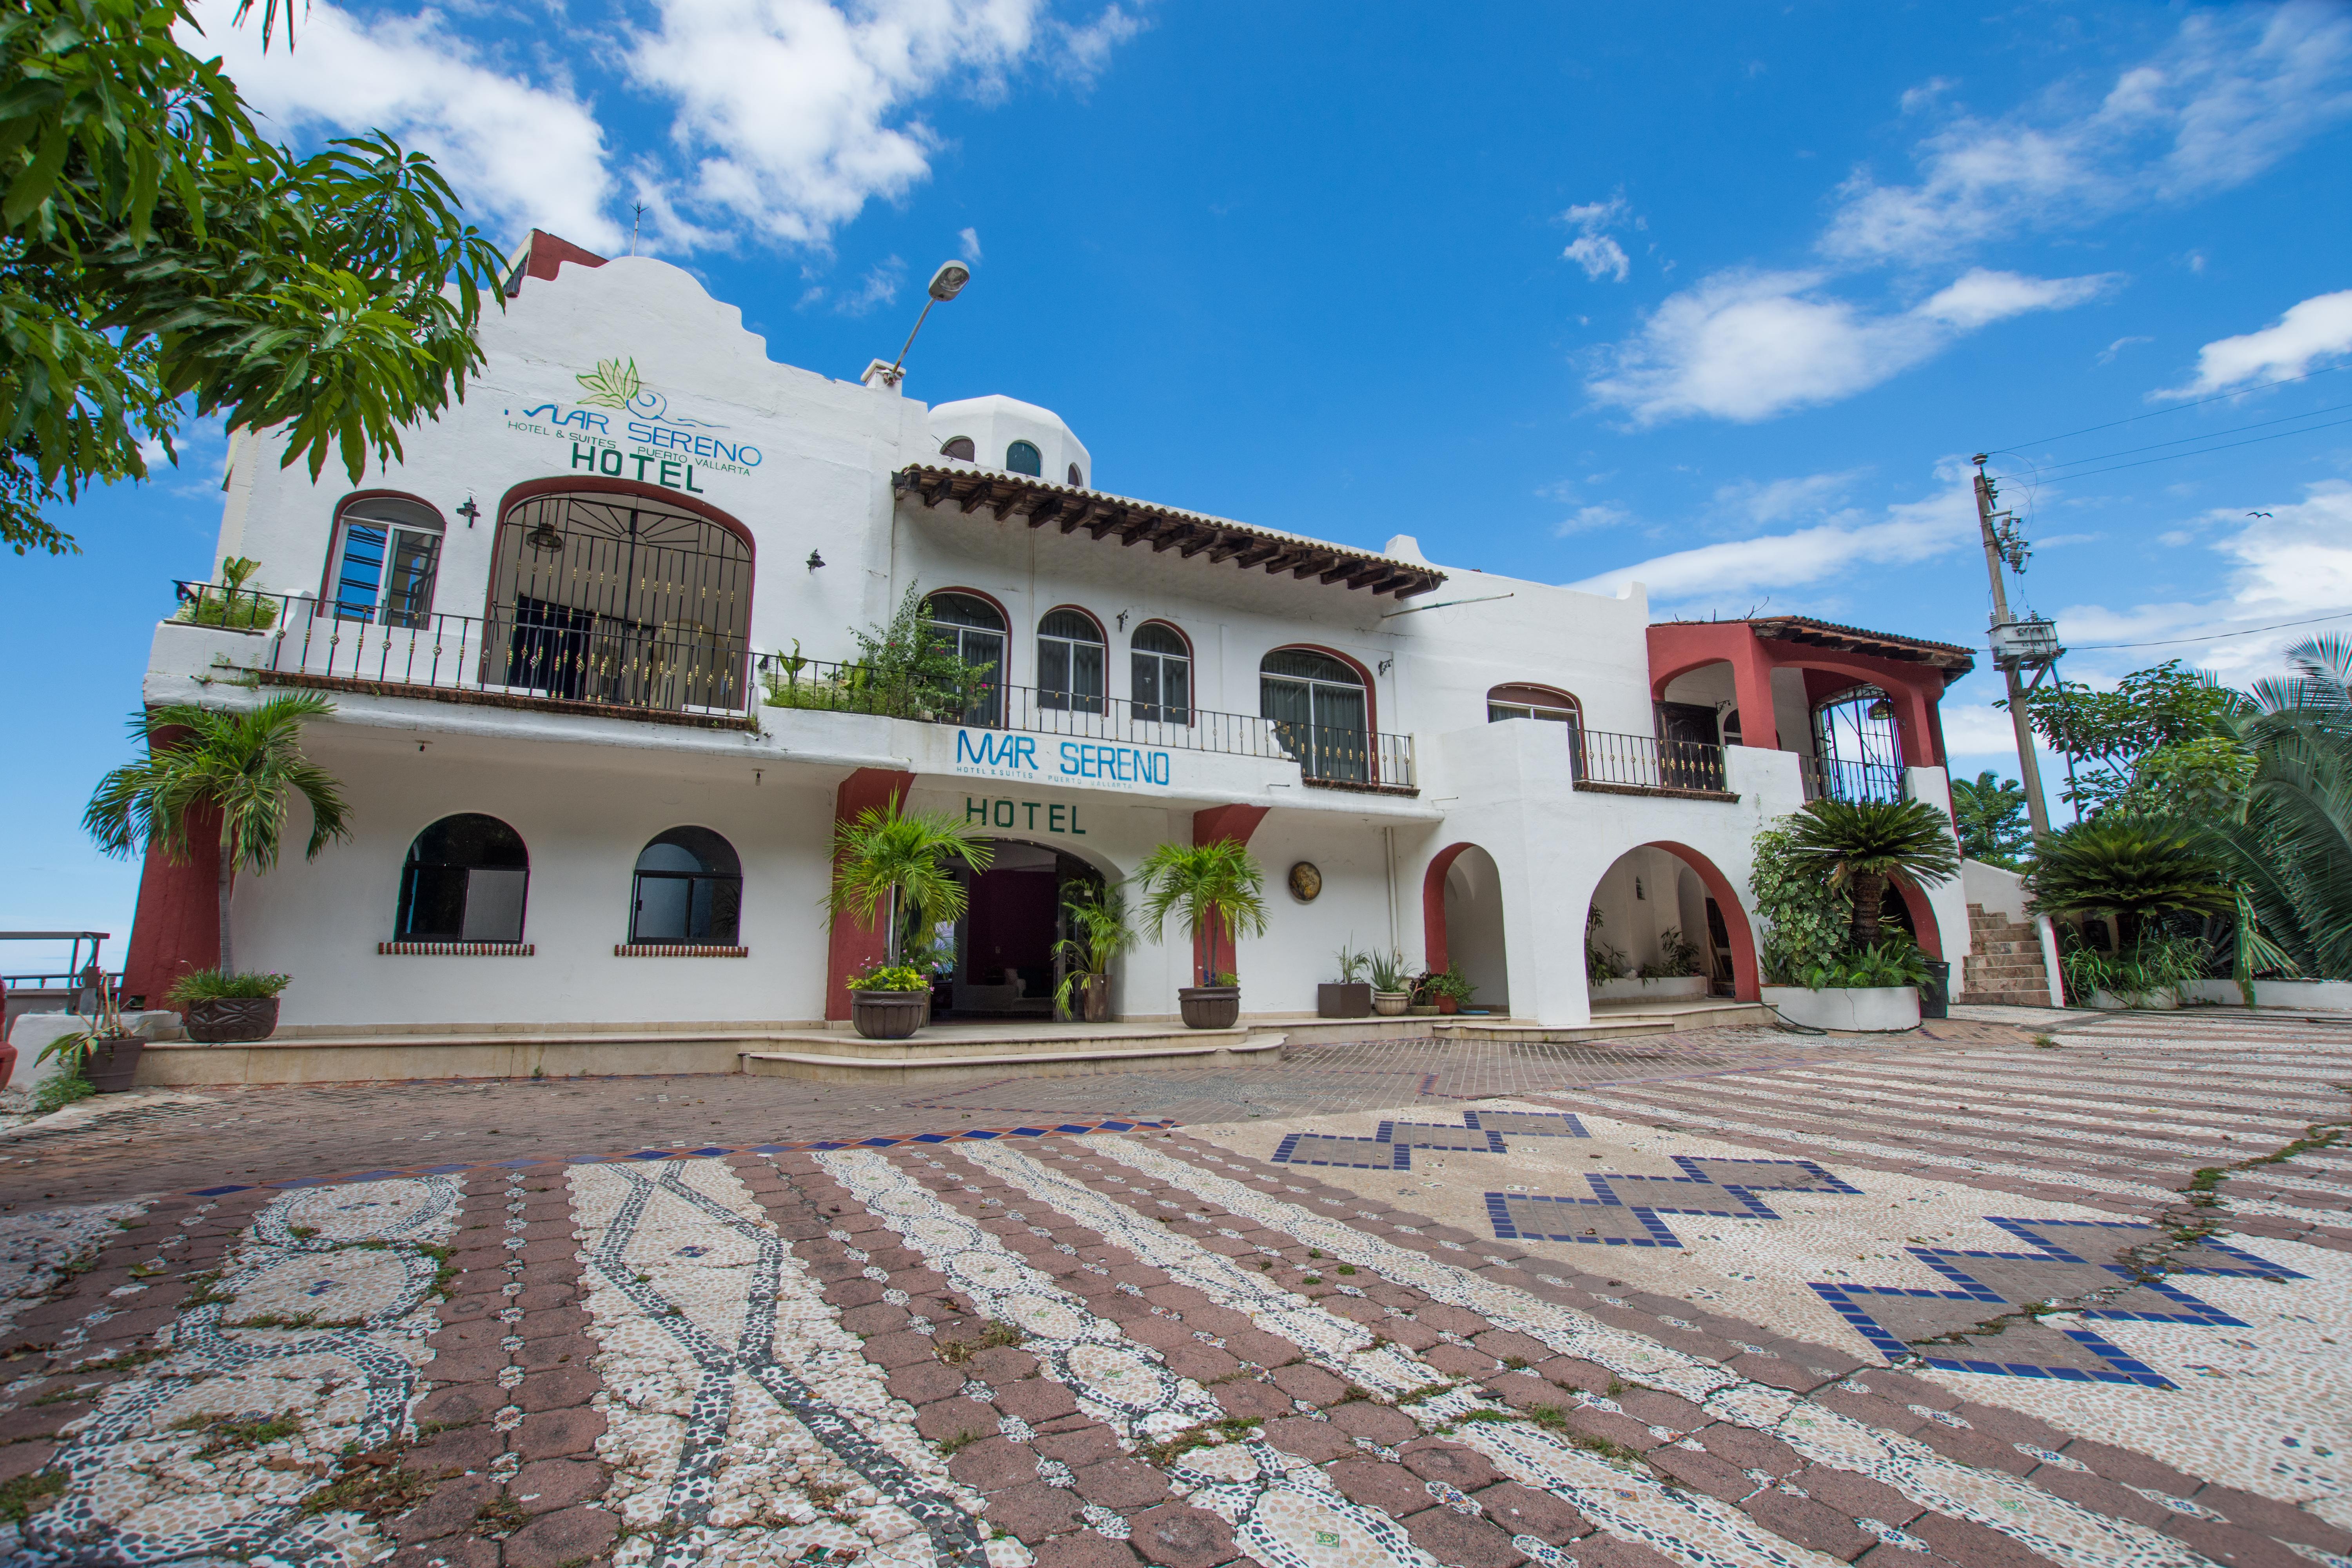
<point>61,1089</point>
<point>236,612</point>
<point>212,985</point>
<point>2161,963</point>
<point>1677,957</point>
<point>1806,921</point>
<point>1893,961</point>
<point>892,978</point>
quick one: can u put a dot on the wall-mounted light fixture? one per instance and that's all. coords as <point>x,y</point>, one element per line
<point>1387,664</point>
<point>1122,620</point>
<point>814,561</point>
<point>469,511</point>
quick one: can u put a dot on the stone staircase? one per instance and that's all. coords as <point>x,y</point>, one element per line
<point>2004,965</point>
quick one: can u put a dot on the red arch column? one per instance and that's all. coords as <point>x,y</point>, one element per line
<point>1236,823</point>
<point>1923,915</point>
<point>1434,953</point>
<point>1746,977</point>
<point>176,927</point>
<point>852,948</point>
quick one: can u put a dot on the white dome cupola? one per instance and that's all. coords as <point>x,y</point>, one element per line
<point>1012,436</point>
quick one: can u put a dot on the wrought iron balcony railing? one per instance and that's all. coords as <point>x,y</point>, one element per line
<point>1828,778</point>
<point>1645,761</point>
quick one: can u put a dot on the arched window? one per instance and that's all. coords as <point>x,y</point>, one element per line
<point>1023,458</point>
<point>688,889</point>
<point>1071,662</point>
<point>1078,477</point>
<point>1533,703</point>
<point>1317,707</point>
<point>971,628</point>
<point>1160,677</point>
<point>959,447</point>
<point>386,548</point>
<point>465,881</point>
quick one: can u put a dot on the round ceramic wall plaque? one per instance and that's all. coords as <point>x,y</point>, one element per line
<point>1306,881</point>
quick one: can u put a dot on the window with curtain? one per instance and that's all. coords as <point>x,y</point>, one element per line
<point>1160,675</point>
<point>386,552</point>
<point>1023,458</point>
<point>688,890</point>
<point>975,632</point>
<point>465,881</point>
<point>1071,660</point>
<point>1317,707</point>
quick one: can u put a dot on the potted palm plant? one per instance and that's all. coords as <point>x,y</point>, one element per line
<point>1447,989</point>
<point>1098,933</point>
<point>222,1008</point>
<point>1854,847</point>
<point>1212,888</point>
<point>1391,984</point>
<point>240,767</point>
<point>894,865</point>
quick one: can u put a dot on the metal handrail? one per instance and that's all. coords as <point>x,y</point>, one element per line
<point>1327,755</point>
<point>1645,761</point>
<point>529,651</point>
<point>1830,778</point>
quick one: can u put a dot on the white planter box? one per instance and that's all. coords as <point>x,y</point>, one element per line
<point>1873,1009</point>
<point>2311,995</point>
<point>2138,1001</point>
<point>1680,986</point>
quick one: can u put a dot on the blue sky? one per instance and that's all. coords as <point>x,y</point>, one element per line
<point>1716,297</point>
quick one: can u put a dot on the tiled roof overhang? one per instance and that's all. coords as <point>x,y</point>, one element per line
<point>1139,523</point>
<point>1953,660</point>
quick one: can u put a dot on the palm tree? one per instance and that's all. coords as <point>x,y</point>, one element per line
<point>2290,847</point>
<point>896,863</point>
<point>2128,868</point>
<point>1210,886</point>
<point>1860,843</point>
<point>1990,811</point>
<point>240,765</point>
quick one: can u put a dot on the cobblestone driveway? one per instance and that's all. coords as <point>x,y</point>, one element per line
<point>1389,1303</point>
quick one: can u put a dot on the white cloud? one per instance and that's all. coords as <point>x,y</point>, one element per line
<point>1600,257</point>
<point>2233,92</point>
<point>1748,345</point>
<point>1776,500</point>
<point>878,286</point>
<point>1586,519</point>
<point>968,245</point>
<point>2108,355</point>
<point>1913,530</point>
<point>518,154</point>
<point>2320,328</point>
<point>1592,249</point>
<point>1085,50</point>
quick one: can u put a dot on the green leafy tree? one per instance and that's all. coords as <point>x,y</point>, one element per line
<point>2121,744</point>
<point>1858,845</point>
<point>1991,815</point>
<point>1210,888</point>
<point>895,865</point>
<point>242,766</point>
<point>159,257</point>
<point>2130,869</point>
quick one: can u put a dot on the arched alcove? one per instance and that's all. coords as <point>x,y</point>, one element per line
<point>1462,922</point>
<point>1662,894</point>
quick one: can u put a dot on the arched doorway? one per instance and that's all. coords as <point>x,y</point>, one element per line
<point>601,596</point>
<point>1663,911</point>
<point>1462,923</point>
<point>1002,960</point>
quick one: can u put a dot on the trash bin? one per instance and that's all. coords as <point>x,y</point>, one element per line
<point>1935,996</point>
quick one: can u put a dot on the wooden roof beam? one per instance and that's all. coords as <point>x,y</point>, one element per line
<point>1203,536</point>
<point>1259,552</point>
<point>1005,508</point>
<point>1047,508</point>
<point>1318,562</point>
<point>1136,525</point>
<point>1177,529</point>
<point>1230,545</point>
<point>937,490</point>
<point>978,498</point>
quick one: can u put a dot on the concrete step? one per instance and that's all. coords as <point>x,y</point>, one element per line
<point>835,1059</point>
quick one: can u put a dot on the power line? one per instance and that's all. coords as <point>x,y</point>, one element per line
<point>2042,471</point>
<point>2175,457</point>
<point>2179,408</point>
<point>2214,636</point>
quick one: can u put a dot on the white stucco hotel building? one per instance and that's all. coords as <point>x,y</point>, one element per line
<point>550,633</point>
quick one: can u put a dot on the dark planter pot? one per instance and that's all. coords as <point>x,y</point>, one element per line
<point>1448,1005</point>
<point>112,1063</point>
<point>1209,1007</point>
<point>1343,1000</point>
<point>1092,997</point>
<point>225,1020</point>
<point>890,1014</point>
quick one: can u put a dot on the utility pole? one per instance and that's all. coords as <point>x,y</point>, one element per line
<point>1998,544</point>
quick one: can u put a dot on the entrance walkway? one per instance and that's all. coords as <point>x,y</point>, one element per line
<point>1318,1321</point>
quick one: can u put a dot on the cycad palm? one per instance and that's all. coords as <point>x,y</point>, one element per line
<point>243,766</point>
<point>1860,844</point>
<point>2130,868</point>
<point>895,864</point>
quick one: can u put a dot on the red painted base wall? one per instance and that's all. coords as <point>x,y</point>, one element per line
<point>177,927</point>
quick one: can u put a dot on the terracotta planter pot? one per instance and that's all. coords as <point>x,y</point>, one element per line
<point>225,1020</point>
<point>1448,1006</point>
<point>1343,999</point>
<point>1391,1003</point>
<point>890,1014</point>
<point>112,1062</point>
<point>1209,1007</point>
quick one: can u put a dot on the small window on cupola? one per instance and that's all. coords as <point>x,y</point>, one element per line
<point>960,446</point>
<point>1023,458</point>
<point>1078,477</point>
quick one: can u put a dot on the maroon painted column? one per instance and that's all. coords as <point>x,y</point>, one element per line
<point>177,925</point>
<point>852,948</point>
<point>1236,823</point>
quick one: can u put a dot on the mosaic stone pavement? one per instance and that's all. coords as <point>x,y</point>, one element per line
<point>1743,1304</point>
